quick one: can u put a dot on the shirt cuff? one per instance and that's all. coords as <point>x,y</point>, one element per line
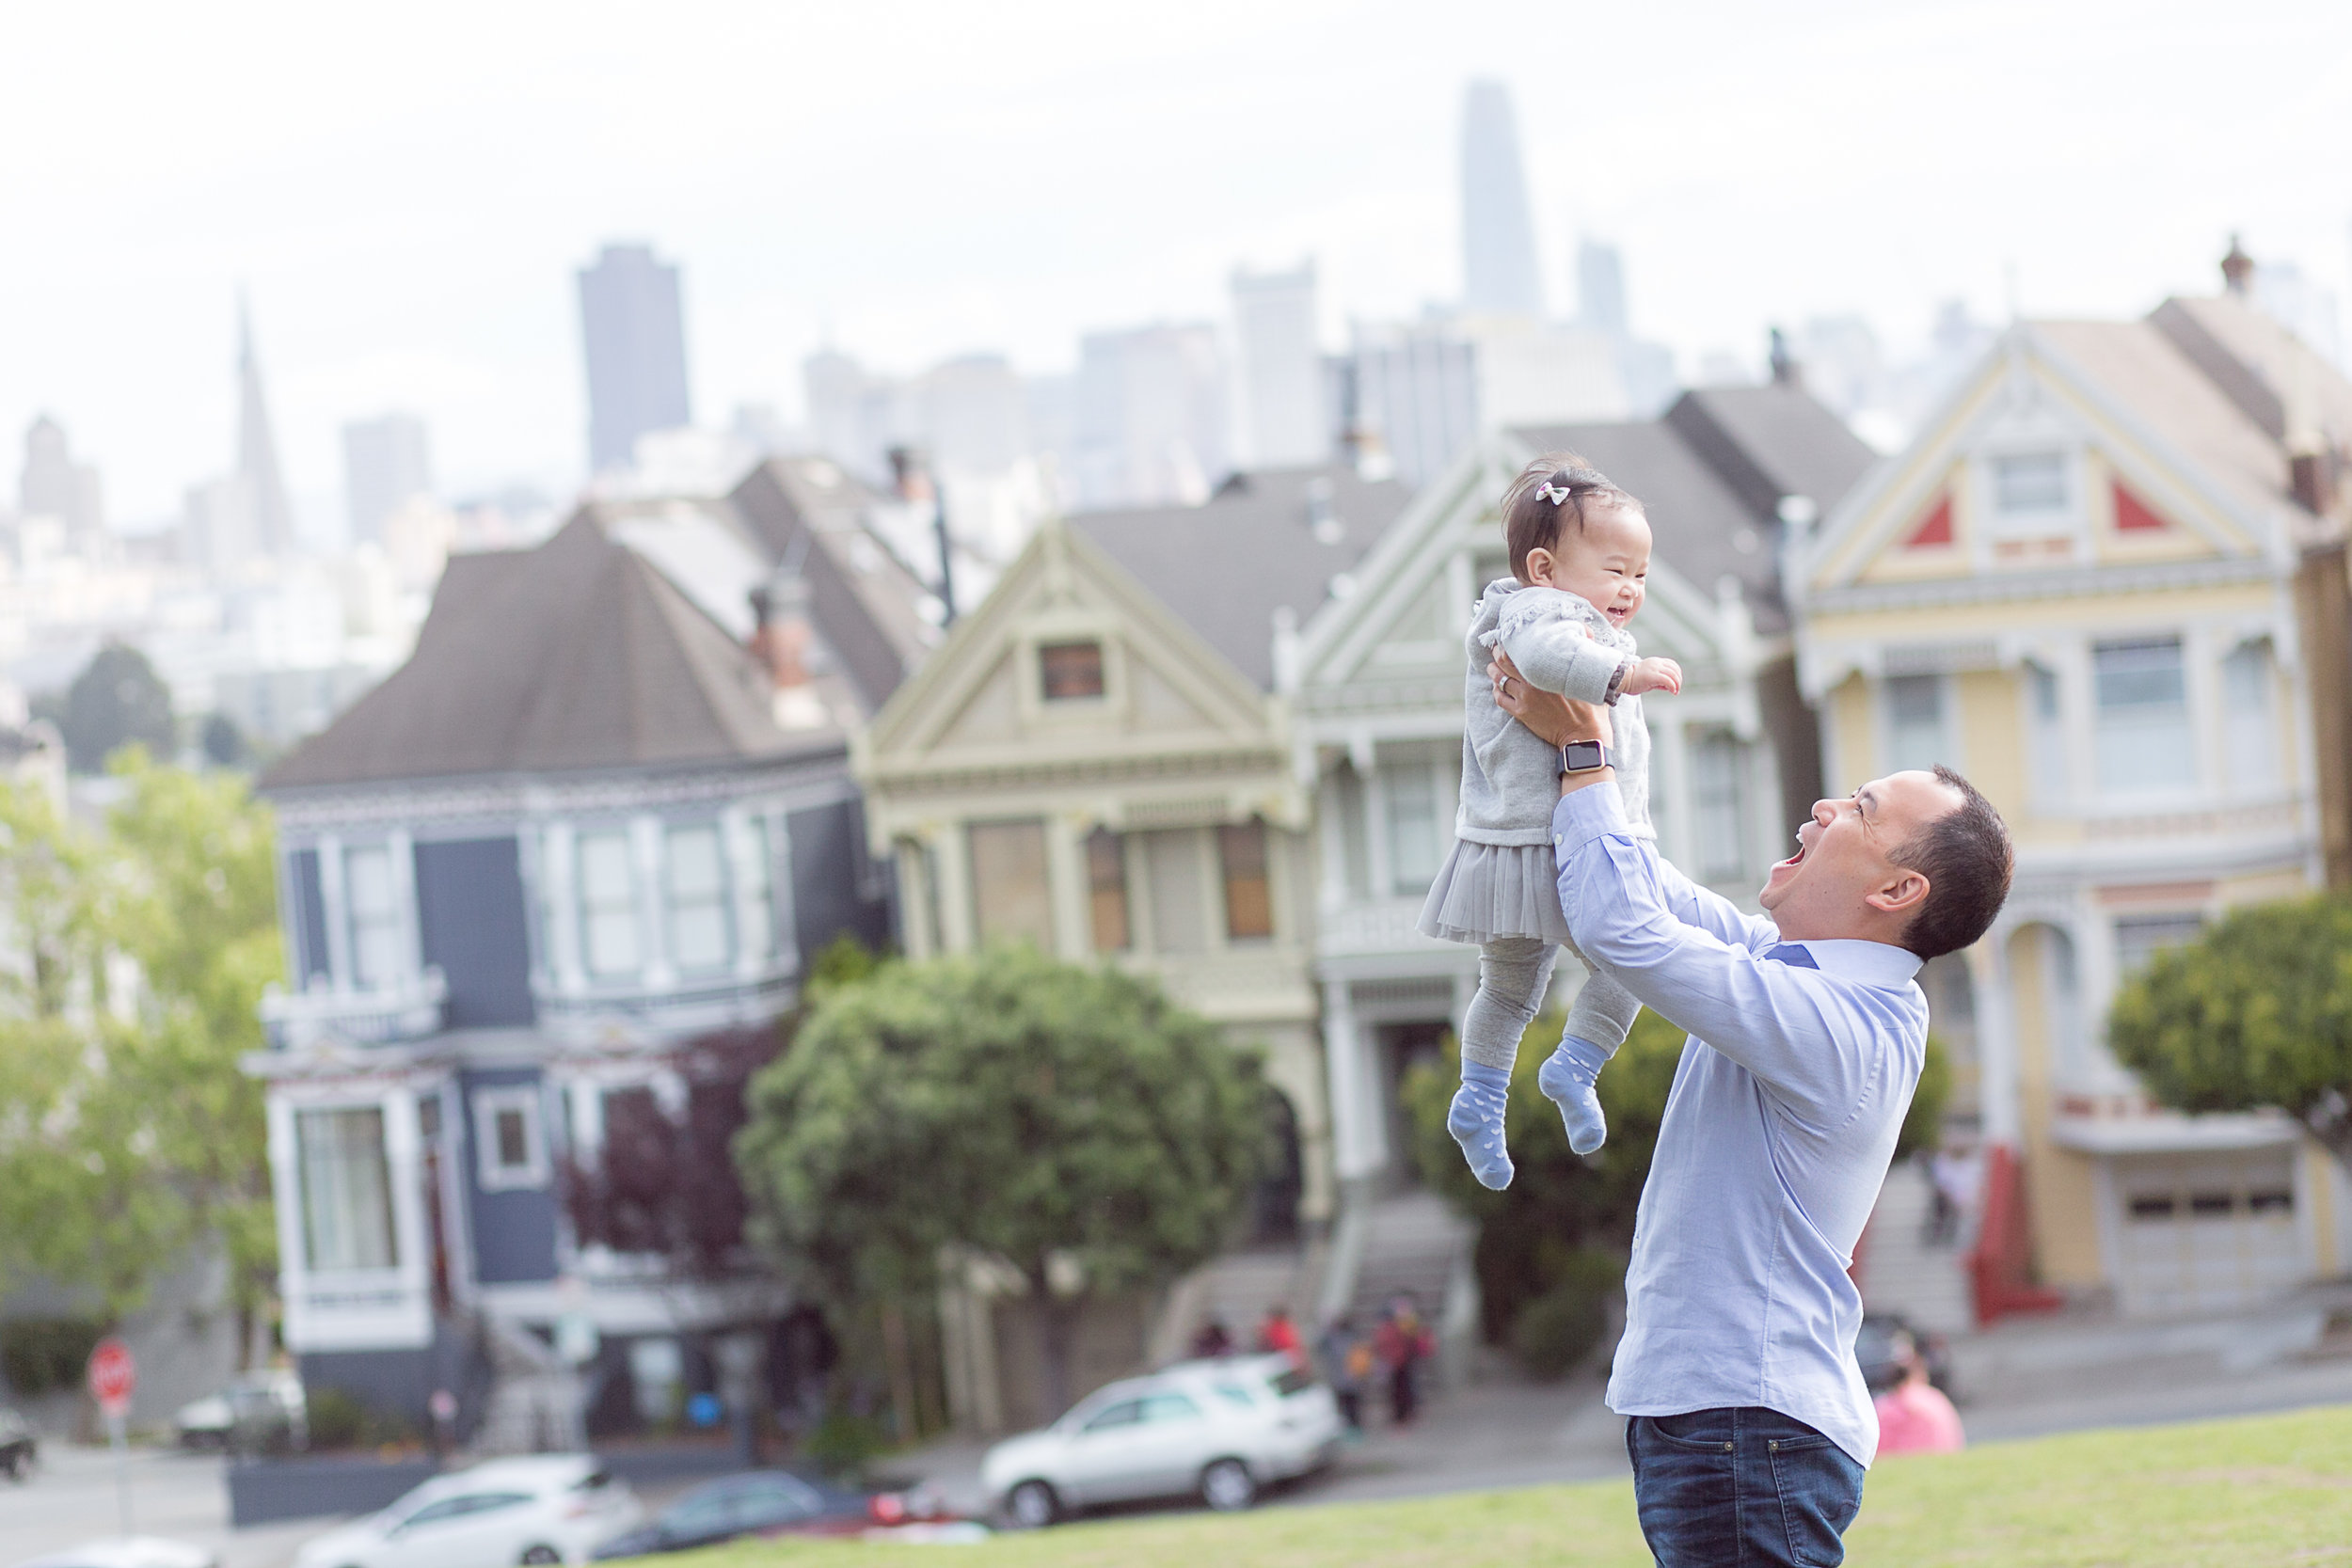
<point>1585,816</point>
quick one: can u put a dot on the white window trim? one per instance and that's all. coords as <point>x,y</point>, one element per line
<point>491,1176</point>
<point>1947,717</point>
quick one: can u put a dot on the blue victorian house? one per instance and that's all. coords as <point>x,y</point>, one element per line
<point>544,892</point>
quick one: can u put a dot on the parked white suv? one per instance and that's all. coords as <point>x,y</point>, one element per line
<point>1219,1430</point>
<point>550,1508</point>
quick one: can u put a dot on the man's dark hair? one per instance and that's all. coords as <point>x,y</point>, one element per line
<point>1966,858</point>
<point>1534,520</point>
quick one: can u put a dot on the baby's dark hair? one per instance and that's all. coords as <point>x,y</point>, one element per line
<point>1534,514</point>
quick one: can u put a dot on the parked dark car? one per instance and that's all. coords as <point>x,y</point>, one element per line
<point>1874,1347</point>
<point>757,1502</point>
<point>18,1448</point>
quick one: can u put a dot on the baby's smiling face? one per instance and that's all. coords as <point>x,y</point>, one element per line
<point>1606,563</point>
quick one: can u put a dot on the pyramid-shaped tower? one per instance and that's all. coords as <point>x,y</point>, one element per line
<point>256,448</point>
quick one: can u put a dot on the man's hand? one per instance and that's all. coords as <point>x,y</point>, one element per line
<point>1555,717</point>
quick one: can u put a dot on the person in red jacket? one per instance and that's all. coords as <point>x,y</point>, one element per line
<point>1277,1333</point>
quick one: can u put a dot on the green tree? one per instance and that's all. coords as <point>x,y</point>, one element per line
<point>2257,1012</point>
<point>1071,1122</point>
<point>116,700</point>
<point>128,1132</point>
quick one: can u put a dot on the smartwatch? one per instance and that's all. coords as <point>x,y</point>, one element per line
<point>1585,756</point>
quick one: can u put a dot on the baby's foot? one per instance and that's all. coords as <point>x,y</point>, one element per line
<point>1475,1119</point>
<point>1566,1079</point>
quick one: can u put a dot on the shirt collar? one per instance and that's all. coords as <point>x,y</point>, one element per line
<point>1873,963</point>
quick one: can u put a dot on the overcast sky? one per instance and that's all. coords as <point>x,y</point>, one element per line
<point>405,198</point>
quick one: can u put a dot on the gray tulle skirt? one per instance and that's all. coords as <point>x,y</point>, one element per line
<point>1485,891</point>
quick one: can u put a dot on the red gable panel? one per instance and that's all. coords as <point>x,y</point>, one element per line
<point>2132,514</point>
<point>1935,528</point>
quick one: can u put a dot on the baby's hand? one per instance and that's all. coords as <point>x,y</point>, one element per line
<point>1653,675</point>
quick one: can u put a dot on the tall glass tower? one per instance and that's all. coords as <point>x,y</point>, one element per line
<point>1500,274</point>
<point>634,330</point>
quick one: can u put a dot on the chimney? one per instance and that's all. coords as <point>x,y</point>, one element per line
<point>1785,370</point>
<point>2312,477</point>
<point>781,640</point>
<point>2237,269</point>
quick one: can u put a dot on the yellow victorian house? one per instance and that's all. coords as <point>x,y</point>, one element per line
<point>2107,582</point>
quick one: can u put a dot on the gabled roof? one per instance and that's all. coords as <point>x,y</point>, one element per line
<point>1225,566</point>
<point>1773,441</point>
<point>1700,524</point>
<point>864,603</point>
<point>578,654</point>
<point>2137,365</point>
<point>2271,375</point>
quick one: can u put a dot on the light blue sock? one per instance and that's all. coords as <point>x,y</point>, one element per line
<point>1566,1079</point>
<point>1475,1119</point>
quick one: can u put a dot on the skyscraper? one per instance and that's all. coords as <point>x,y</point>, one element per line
<point>1600,288</point>
<point>1279,377</point>
<point>272,524</point>
<point>52,484</point>
<point>1500,273</point>
<point>634,332</point>
<point>385,465</point>
<point>1150,416</point>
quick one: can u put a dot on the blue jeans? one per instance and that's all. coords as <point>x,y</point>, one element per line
<point>1738,1488</point>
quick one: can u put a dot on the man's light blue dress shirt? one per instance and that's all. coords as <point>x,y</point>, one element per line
<point>1777,1135</point>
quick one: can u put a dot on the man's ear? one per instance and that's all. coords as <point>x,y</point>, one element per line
<point>1900,893</point>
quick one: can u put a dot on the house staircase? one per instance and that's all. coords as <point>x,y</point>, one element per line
<point>1904,1270</point>
<point>535,1404</point>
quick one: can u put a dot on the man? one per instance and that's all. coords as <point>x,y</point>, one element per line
<point>1748,1422</point>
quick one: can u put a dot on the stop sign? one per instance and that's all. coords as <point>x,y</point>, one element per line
<point>112,1376</point>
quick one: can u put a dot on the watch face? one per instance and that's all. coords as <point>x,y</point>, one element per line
<point>1582,756</point>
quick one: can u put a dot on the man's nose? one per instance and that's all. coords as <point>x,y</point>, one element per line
<point>1825,812</point>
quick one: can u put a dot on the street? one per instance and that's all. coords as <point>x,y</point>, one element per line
<point>2024,1379</point>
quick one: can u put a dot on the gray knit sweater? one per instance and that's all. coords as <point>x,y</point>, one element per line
<point>1510,779</point>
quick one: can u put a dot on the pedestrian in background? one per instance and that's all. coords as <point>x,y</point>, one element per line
<point>1212,1341</point>
<point>1345,1360</point>
<point>1402,1344</point>
<point>1914,1417</point>
<point>1277,1334</point>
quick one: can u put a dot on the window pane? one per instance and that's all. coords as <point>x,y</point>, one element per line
<point>2143,937</point>
<point>1008,887</point>
<point>608,904</point>
<point>2251,743</point>
<point>1071,670</point>
<point>1414,845</point>
<point>696,875</point>
<point>346,1189</point>
<point>1248,907</point>
<point>2031,482</point>
<point>1172,862</point>
<point>2142,737</point>
<point>1718,807</point>
<point>375,916</point>
<point>514,1139</point>
<point>759,920</point>
<point>1107,889</point>
<point>2046,735</point>
<point>1915,722</point>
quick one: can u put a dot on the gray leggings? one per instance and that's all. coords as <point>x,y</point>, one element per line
<point>1513,974</point>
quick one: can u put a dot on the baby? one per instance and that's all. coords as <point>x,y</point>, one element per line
<point>1580,549</point>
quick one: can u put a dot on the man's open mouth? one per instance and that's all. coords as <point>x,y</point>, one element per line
<point>1798,857</point>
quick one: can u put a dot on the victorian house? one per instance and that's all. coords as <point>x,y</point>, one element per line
<point>602,818</point>
<point>2107,582</point>
<point>1375,680</point>
<point>1098,762</point>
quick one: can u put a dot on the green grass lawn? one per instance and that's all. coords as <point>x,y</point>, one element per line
<point>2272,1489</point>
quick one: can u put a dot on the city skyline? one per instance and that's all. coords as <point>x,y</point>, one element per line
<point>1837,163</point>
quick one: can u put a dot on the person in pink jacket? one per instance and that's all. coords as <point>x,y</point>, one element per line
<point>1914,1416</point>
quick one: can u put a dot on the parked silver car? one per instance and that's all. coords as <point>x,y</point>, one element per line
<point>1219,1430</point>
